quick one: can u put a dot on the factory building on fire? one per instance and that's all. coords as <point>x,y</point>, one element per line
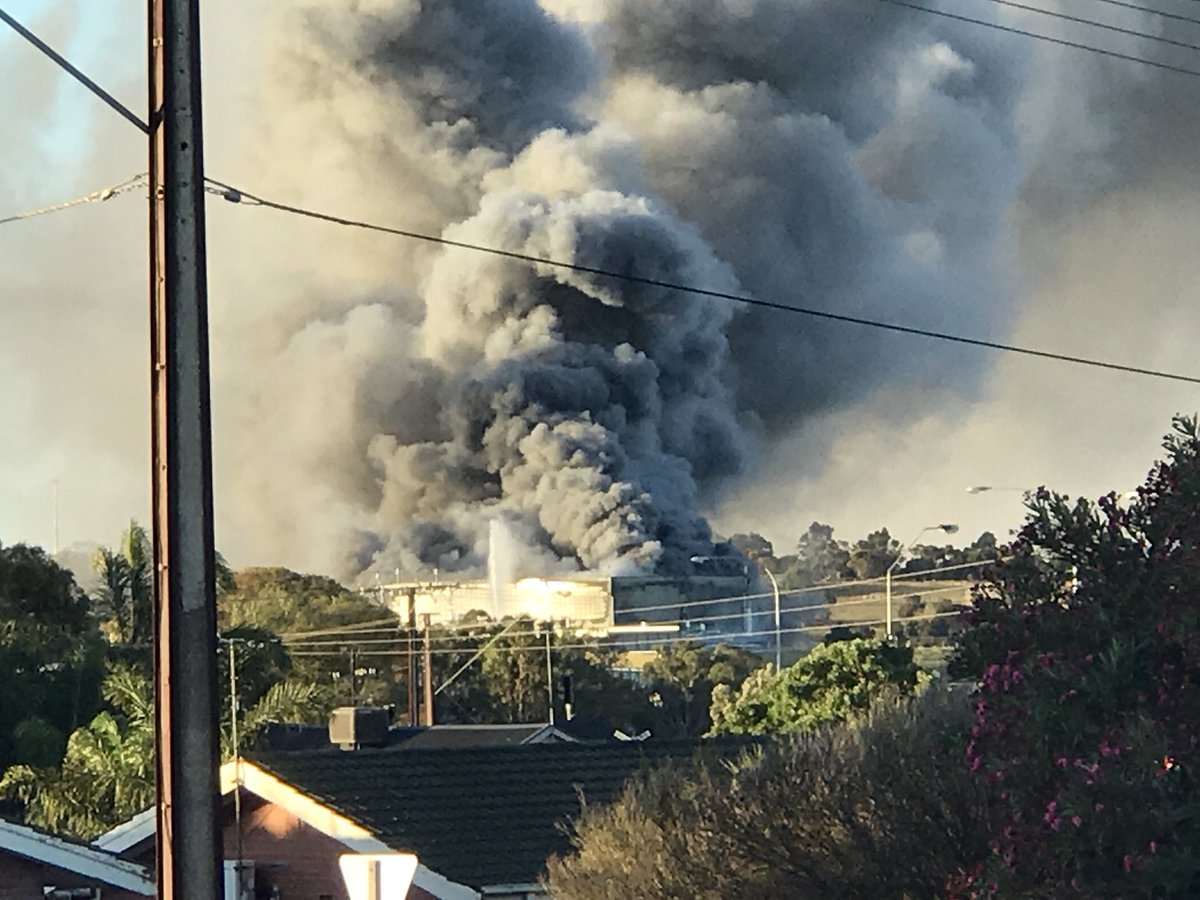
<point>633,610</point>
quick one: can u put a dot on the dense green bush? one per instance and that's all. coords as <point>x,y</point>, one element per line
<point>881,807</point>
<point>831,684</point>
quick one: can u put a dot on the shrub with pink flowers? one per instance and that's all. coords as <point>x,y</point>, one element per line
<point>1086,651</point>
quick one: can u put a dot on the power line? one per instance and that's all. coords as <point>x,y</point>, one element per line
<point>75,73</point>
<point>1091,23</point>
<point>583,627</point>
<point>593,645</point>
<point>99,196</point>
<point>236,195</point>
<point>359,626</point>
<point>1153,12</point>
<point>1044,37</point>
<point>905,584</point>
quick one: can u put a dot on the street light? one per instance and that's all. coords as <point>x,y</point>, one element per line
<point>947,528</point>
<point>778,647</point>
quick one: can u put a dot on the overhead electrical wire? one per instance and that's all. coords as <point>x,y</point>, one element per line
<point>585,627</point>
<point>1062,42</point>
<point>643,642</point>
<point>63,63</point>
<point>236,195</point>
<point>911,579</point>
<point>99,196</point>
<point>1146,9</point>
<point>1091,23</point>
<point>239,196</point>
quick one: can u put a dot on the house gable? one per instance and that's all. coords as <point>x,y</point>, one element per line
<point>32,854</point>
<point>489,817</point>
<point>284,828</point>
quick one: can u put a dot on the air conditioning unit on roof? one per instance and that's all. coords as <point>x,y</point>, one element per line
<point>351,727</point>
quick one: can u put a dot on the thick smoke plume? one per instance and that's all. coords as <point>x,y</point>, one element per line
<point>379,402</point>
<point>733,146</point>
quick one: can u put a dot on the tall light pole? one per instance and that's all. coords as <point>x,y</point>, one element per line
<point>778,646</point>
<point>947,528</point>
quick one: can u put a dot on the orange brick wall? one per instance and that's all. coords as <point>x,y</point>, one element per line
<point>299,860</point>
<point>21,879</point>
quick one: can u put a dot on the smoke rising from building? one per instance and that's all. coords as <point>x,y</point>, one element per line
<point>378,403</point>
<point>668,142</point>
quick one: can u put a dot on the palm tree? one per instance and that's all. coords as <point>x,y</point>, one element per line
<point>126,592</point>
<point>107,775</point>
<point>126,589</point>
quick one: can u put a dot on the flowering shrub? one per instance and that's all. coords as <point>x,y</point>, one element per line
<point>1087,716</point>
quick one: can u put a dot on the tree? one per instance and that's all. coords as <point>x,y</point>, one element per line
<point>283,601</point>
<point>107,775</point>
<point>878,808</point>
<point>268,689</point>
<point>1086,649</point>
<point>931,558</point>
<point>126,587</point>
<point>125,597</point>
<point>819,559</point>
<point>509,681</point>
<point>871,557</point>
<point>755,548</point>
<point>833,683</point>
<point>50,654</point>
<point>681,678</point>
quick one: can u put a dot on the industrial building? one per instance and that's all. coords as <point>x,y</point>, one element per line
<point>631,609</point>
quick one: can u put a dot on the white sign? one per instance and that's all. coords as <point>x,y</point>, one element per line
<point>378,876</point>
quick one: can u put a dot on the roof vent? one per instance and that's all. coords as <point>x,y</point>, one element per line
<point>351,727</point>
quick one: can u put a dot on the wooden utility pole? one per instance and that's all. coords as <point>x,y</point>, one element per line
<point>185,624</point>
<point>427,674</point>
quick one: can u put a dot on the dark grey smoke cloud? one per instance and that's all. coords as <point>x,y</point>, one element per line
<point>843,156</point>
<point>378,402</point>
<point>802,150</point>
<point>487,73</point>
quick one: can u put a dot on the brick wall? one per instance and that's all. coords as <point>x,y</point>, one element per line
<point>22,879</point>
<point>289,855</point>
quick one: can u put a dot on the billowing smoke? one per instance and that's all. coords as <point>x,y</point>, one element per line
<point>379,402</point>
<point>803,151</point>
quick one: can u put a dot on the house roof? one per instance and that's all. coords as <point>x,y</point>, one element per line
<point>481,815</point>
<point>86,861</point>
<point>459,736</point>
<point>290,738</point>
<point>140,830</point>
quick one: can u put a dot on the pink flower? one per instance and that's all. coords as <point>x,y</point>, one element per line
<point>1076,821</point>
<point>1154,847</point>
<point>1127,863</point>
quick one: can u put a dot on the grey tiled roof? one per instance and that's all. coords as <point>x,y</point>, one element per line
<point>481,815</point>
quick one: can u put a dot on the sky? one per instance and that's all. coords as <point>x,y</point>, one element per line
<point>1079,244</point>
